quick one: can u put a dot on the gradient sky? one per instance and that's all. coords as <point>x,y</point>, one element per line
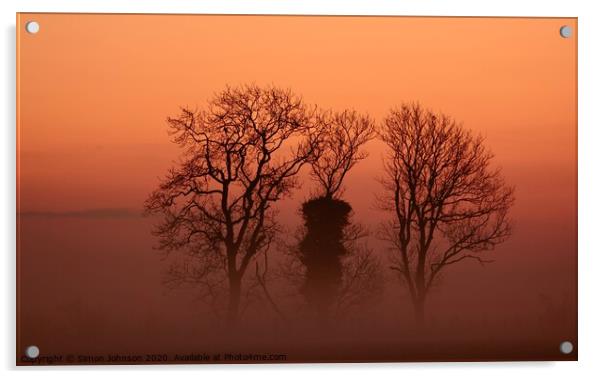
<point>94,92</point>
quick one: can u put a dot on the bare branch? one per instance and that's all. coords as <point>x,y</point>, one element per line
<point>241,154</point>
<point>439,186</point>
<point>345,133</point>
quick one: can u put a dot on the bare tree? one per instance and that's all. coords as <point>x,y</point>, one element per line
<point>241,154</point>
<point>448,202</point>
<point>347,132</point>
<point>333,274</point>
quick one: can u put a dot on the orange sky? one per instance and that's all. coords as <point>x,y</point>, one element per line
<point>94,90</point>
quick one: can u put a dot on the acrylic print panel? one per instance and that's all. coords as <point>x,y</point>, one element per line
<point>270,189</point>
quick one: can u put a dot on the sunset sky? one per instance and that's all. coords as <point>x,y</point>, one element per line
<point>94,92</point>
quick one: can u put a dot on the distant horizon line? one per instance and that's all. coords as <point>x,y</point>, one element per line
<point>85,213</point>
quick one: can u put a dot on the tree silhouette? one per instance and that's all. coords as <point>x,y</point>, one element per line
<point>329,235</point>
<point>448,203</point>
<point>321,250</point>
<point>241,154</point>
<point>346,133</point>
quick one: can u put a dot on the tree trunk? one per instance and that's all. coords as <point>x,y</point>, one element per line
<point>419,311</point>
<point>234,299</point>
<point>420,289</point>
